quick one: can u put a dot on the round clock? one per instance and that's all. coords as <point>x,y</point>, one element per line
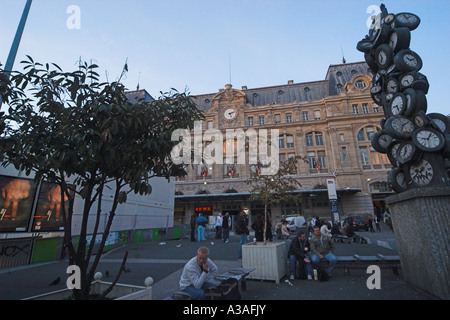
<point>440,122</point>
<point>230,114</point>
<point>389,18</point>
<point>392,152</point>
<point>399,127</point>
<point>397,180</point>
<point>407,152</point>
<point>406,80</point>
<point>380,141</point>
<point>415,101</point>
<point>421,173</point>
<point>383,56</point>
<point>399,38</point>
<point>407,60</point>
<point>397,105</point>
<point>406,19</point>
<point>428,139</point>
<point>392,85</point>
<point>421,119</point>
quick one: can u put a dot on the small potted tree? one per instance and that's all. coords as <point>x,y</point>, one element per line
<point>269,258</point>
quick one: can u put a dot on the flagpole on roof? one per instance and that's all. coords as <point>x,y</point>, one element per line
<point>15,45</point>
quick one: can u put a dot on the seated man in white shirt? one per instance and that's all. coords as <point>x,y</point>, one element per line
<point>196,274</point>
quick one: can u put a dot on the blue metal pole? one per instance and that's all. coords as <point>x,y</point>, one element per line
<point>15,45</point>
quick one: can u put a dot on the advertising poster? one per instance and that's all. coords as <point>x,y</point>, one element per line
<point>48,214</point>
<point>16,203</point>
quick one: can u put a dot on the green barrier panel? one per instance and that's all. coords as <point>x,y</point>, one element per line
<point>44,250</point>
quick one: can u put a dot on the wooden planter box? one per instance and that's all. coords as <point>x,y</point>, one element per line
<point>269,260</point>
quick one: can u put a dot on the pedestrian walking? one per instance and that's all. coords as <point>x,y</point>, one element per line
<point>219,221</point>
<point>201,225</point>
<point>226,225</point>
<point>242,231</point>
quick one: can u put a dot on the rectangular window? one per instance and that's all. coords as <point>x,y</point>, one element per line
<point>316,115</point>
<point>210,124</point>
<point>355,108</point>
<point>305,115</point>
<point>319,139</point>
<point>281,142</point>
<point>289,141</point>
<point>376,109</point>
<point>365,108</point>
<point>282,158</point>
<point>364,155</point>
<point>288,117</point>
<point>277,118</point>
<point>369,132</point>
<point>250,121</point>
<point>321,158</point>
<point>344,156</point>
<point>261,120</point>
<point>311,160</point>
<point>309,140</point>
<point>341,137</point>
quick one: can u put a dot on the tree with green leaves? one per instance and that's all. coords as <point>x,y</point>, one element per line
<point>276,188</point>
<point>84,135</point>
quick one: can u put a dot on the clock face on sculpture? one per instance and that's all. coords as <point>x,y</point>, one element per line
<point>397,104</point>
<point>440,122</point>
<point>399,127</point>
<point>406,80</point>
<point>392,85</point>
<point>399,39</point>
<point>406,19</point>
<point>415,101</point>
<point>407,152</point>
<point>428,139</point>
<point>397,180</point>
<point>383,56</point>
<point>230,114</point>
<point>420,119</point>
<point>389,18</point>
<point>392,152</point>
<point>421,173</point>
<point>380,141</point>
<point>407,60</point>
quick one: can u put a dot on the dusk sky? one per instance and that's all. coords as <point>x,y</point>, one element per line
<point>192,43</point>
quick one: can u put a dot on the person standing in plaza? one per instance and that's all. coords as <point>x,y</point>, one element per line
<point>258,226</point>
<point>197,274</point>
<point>322,247</point>
<point>242,231</point>
<point>219,221</point>
<point>193,225</point>
<point>226,224</point>
<point>201,224</point>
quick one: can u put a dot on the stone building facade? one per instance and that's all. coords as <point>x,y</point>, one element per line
<point>329,121</point>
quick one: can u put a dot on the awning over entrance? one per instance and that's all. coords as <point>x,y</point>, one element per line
<point>246,195</point>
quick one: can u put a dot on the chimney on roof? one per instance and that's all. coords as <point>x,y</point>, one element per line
<point>290,81</point>
<point>244,87</point>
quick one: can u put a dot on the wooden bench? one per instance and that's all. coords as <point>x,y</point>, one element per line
<point>363,261</point>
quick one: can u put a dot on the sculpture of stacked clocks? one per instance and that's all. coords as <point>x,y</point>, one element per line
<point>416,143</point>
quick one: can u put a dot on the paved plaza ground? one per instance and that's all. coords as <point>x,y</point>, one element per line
<point>164,261</point>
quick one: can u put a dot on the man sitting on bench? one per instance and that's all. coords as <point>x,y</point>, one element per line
<point>196,274</point>
<point>298,251</point>
<point>322,247</point>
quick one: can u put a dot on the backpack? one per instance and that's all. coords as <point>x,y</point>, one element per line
<point>300,271</point>
<point>322,275</point>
